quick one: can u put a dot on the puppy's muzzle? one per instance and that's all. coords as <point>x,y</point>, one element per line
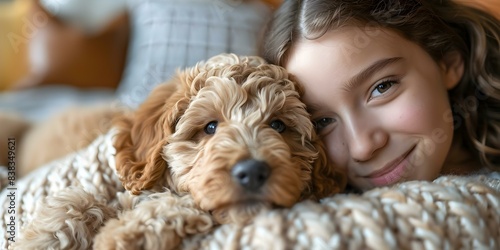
<point>251,174</point>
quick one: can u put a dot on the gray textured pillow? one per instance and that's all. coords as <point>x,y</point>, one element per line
<point>171,34</point>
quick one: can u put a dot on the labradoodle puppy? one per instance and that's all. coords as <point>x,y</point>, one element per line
<point>227,138</point>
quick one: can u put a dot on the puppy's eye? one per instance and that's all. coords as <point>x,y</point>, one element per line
<point>211,127</point>
<point>278,126</point>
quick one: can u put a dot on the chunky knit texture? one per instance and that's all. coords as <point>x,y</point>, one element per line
<point>91,169</point>
<point>450,213</point>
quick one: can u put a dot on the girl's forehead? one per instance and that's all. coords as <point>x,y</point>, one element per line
<point>348,48</point>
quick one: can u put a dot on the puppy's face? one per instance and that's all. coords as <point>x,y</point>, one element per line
<point>236,136</point>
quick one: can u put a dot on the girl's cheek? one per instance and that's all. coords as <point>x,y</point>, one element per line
<point>409,118</point>
<point>416,116</point>
<point>337,150</point>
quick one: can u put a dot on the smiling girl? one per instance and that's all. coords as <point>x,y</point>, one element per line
<point>398,90</point>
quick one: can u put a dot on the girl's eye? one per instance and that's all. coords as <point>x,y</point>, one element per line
<point>211,127</point>
<point>278,125</point>
<point>381,88</point>
<point>322,123</point>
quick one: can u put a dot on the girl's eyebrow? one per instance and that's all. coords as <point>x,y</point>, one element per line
<point>360,77</point>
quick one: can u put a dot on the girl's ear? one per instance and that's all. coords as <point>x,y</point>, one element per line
<point>452,66</point>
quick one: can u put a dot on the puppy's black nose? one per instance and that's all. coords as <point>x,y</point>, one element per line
<point>251,174</point>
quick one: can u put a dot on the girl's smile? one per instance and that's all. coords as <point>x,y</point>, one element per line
<point>380,105</point>
<point>392,172</point>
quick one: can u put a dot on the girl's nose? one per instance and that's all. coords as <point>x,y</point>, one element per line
<point>365,139</point>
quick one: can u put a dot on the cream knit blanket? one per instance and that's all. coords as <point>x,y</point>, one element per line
<point>91,169</point>
<point>450,213</point>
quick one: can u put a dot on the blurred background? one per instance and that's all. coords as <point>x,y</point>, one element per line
<point>59,53</point>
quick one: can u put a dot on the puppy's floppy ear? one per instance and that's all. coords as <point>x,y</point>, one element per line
<point>327,179</point>
<point>141,137</point>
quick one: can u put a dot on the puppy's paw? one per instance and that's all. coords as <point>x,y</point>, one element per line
<point>159,222</point>
<point>67,220</point>
<point>131,235</point>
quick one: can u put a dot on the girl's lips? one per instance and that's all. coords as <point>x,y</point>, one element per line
<point>392,172</point>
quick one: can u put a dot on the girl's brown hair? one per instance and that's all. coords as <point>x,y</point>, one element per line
<point>439,27</point>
